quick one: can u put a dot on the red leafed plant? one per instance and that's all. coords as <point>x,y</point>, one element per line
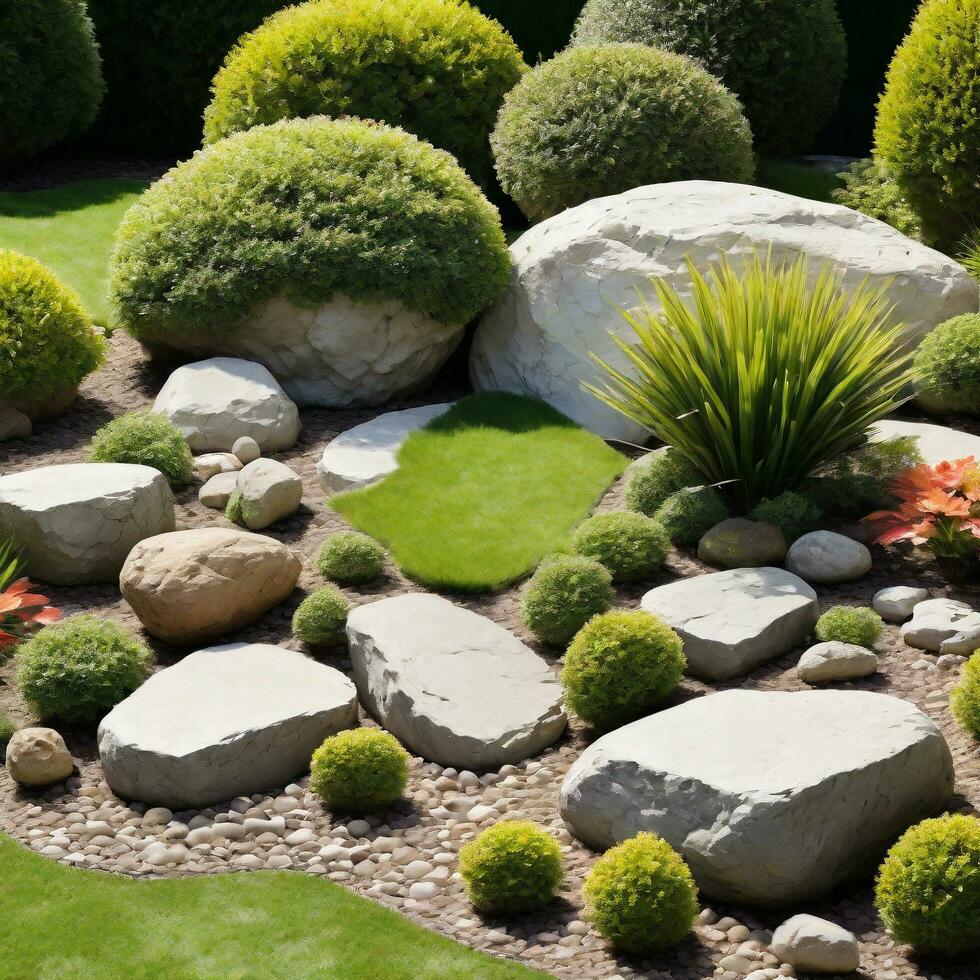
<point>21,610</point>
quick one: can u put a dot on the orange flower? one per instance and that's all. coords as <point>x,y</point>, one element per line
<point>938,501</point>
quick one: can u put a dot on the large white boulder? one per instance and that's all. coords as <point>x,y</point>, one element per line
<point>572,273</point>
<point>455,687</point>
<point>77,522</point>
<point>945,626</point>
<point>937,443</point>
<point>226,721</point>
<point>772,797</point>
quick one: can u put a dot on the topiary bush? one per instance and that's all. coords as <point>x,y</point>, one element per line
<point>149,439</point>
<point>947,362</point>
<point>792,513</point>
<point>47,344</point>
<point>630,545</point>
<point>321,617</point>
<point>79,669</point>
<point>641,896</point>
<point>688,515</point>
<point>928,888</point>
<point>784,59</point>
<point>510,868</point>
<point>656,477</point>
<point>850,624</point>
<point>351,558</point>
<point>437,68</point>
<point>620,666</point>
<point>359,771</point>
<point>54,77</point>
<point>965,699</point>
<point>597,121</point>
<point>563,594</point>
<point>868,188</point>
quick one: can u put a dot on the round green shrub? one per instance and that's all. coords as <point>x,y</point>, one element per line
<point>511,867</point>
<point>620,666</point>
<point>928,129</point>
<point>80,668</point>
<point>233,509</point>
<point>850,624</point>
<point>948,364</point>
<point>630,545</point>
<point>437,68</point>
<point>563,594</point>
<point>307,208</point>
<point>689,514</point>
<point>640,895</point>
<point>351,558</point>
<point>793,514</point>
<point>359,771</point>
<point>147,438</point>
<point>53,76</point>
<point>784,59</point>
<point>965,700</point>
<point>46,339</point>
<point>928,888</point>
<point>656,477</point>
<point>321,617</point>
<point>598,121</point>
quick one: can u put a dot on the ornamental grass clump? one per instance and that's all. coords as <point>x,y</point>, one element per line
<point>630,545</point>
<point>149,439</point>
<point>965,699</point>
<point>351,558</point>
<point>321,617</point>
<point>563,594</point>
<point>359,771</point>
<point>850,624</point>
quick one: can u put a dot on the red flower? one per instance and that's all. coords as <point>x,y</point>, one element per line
<point>22,610</point>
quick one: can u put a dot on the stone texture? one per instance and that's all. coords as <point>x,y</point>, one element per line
<point>246,449</point>
<point>936,442</point>
<point>270,491</point>
<point>771,797</point>
<point>214,402</point>
<point>574,271</point>
<point>193,585</point>
<point>250,716</point>
<point>733,621</point>
<point>218,489</point>
<point>211,464</point>
<point>896,603</point>
<point>815,945</point>
<point>944,626</point>
<point>835,661</point>
<point>828,558</point>
<point>455,687</point>
<point>740,543</point>
<point>14,424</point>
<point>77,522</point>
<point>38,757</point>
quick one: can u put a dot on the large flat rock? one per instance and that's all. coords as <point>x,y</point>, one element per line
<point>455,687</point>
<point>937,443</point>
<point>772,797</point>
<point>226,721</point>
<point>944,626</point>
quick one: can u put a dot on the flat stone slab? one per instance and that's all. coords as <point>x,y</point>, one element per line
<point>733,621</point>
<point>225,721</point>
<point>936,442</point>
<point>772,797</point>
<point>944,626</point>
<point>77,522</point>
<point>455,687</point>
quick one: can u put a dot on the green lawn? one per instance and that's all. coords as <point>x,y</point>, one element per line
<point>70,229</point>
<point>798,179</point>
<point>484,492</point>
<point>61,923</point>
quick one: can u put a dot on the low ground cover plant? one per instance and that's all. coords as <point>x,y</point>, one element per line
<point>688,515</point>
<point>630,545</point>
<point>359,771</point>
<point>147,439</point>
<point>965,700</point>
<point>947,363</point>
<point>850,624</point>
<point>351,558</point>
<point>564,593</point>
<point>321,617</point>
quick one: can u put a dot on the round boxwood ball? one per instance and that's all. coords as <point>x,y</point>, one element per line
<point>148,439</point>
<point>620,666</point>
<point>965,700</point>
<point>947,361</point>
<point>351,558</point>
<point>564,593</point>
<point>510,868</point>
<point>850,624</point>
<point>689,514</point>
<point>641,896</point>
<point>359,771</point>
<point>321,617</point>
<point>928,888</point>
<point>654,478</point>
<point>630,545</point>
<point>598,121</point>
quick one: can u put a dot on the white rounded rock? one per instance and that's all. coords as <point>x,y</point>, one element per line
<point>38,757</point>
<point>828,558</point>
<point>270,491</point>
<point>835,661</point>
<point>246,449</point>
<point>896,602</point>
<point>218,489</point>
<point>944,626</point>
<point>814,945</point>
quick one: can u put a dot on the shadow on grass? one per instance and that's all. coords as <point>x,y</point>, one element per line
<point>71,197</point>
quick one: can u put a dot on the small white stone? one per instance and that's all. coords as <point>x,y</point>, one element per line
<point>896,603</point>
<point>814,945</point>
<point>416,869</point>
<point>246,449</point>
<point>157,815</point>
<point>422,891</point>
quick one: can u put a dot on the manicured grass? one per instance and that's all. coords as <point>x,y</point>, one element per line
<point>798,179</point>
<point>484,492</point>
<point>70,230</point>
<point>69,923</point>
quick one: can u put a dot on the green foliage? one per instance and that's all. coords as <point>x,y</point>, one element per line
<point>799,179</point>
<point>53,76</point>
<point>689,514</point>
<point>359,771</point>
<point>792,513</point>
<point>928,888</point>
<point>850,624</point>
<point>46,341</point>
<point>563,595</point>
<point>11,563</point>
<point>655,478</point>
<point>965,699</point>
<point>351,558</point>
<point>79,669</point>
<point>620,666</point>
<point>233,509</point>
<point>7,729</point>
<point>762,378</point>
<point>630,545</point>
<point>147,438</point>
<point>868,188</point>
<point>596,121</point>
<point>321,617</point>
<point>641,896</point>
<point>511,867</point>
<point>307,208</point>
<point>947,363</point>
<point>784,59</point>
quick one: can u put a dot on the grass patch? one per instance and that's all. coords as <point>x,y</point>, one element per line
<point>69,923</point>
<point>798,179</point>
<point>484,492</point>
<point>70,230</point>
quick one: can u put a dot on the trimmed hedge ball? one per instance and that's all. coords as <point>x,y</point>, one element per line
<point>437,68</point>
<point>563,594</point>
<point>641,896</point>
<point>510,868</point>
<point>78,669</point>
<point>148,439</point>
<point>359,771</point>
<point>656,477</point>
<point>947,361</point>
<point>850,624</point>
<point>689,514</point>
<point>928,888</point>
<point>321,617</point>
<point>630,545</point>
<point>965,700</point>
<point>792,513</point>
<point>351,558</point>
<point>620,666</point>
<point>598,121</point>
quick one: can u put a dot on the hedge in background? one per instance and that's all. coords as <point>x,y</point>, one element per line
<point>540,29</point>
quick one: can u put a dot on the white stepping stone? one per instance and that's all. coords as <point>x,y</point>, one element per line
<point>936,442</point>
<point>944,626</point>
<point>896,603</point>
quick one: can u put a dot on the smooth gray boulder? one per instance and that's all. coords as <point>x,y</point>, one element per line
<point>828,558</point>
<point>737,542</point>
<point>270,491</point>
<point>225,721</point>
<point>897,602</point>
<point>815,945</point>
<point>835,661</point>
<point>772,797</point>
<point>455,687</point>
<point>944,626</point>
<point>733,621</point>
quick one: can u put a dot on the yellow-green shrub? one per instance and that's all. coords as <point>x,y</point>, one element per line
<point>965,700</point>
<point>630,545</point>
<point>359,771</point>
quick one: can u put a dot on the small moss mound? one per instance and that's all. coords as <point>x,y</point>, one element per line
<point>630,545</point>
<point>351,558</point>
<point>359,771</point>
<point>965,700</point>
<point>234,508</point>
<point>850,624</point>
<point>655,478</point>
<point>563,594</point>
<point>510,868</point>
<point>7,730</point>
<point>948,364</point>
<point>147,438</point>
<point>928,888</point>
<point>321,617</point>
<point>641,896</point>
<point>792,513</point>
<point>688,515</point>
